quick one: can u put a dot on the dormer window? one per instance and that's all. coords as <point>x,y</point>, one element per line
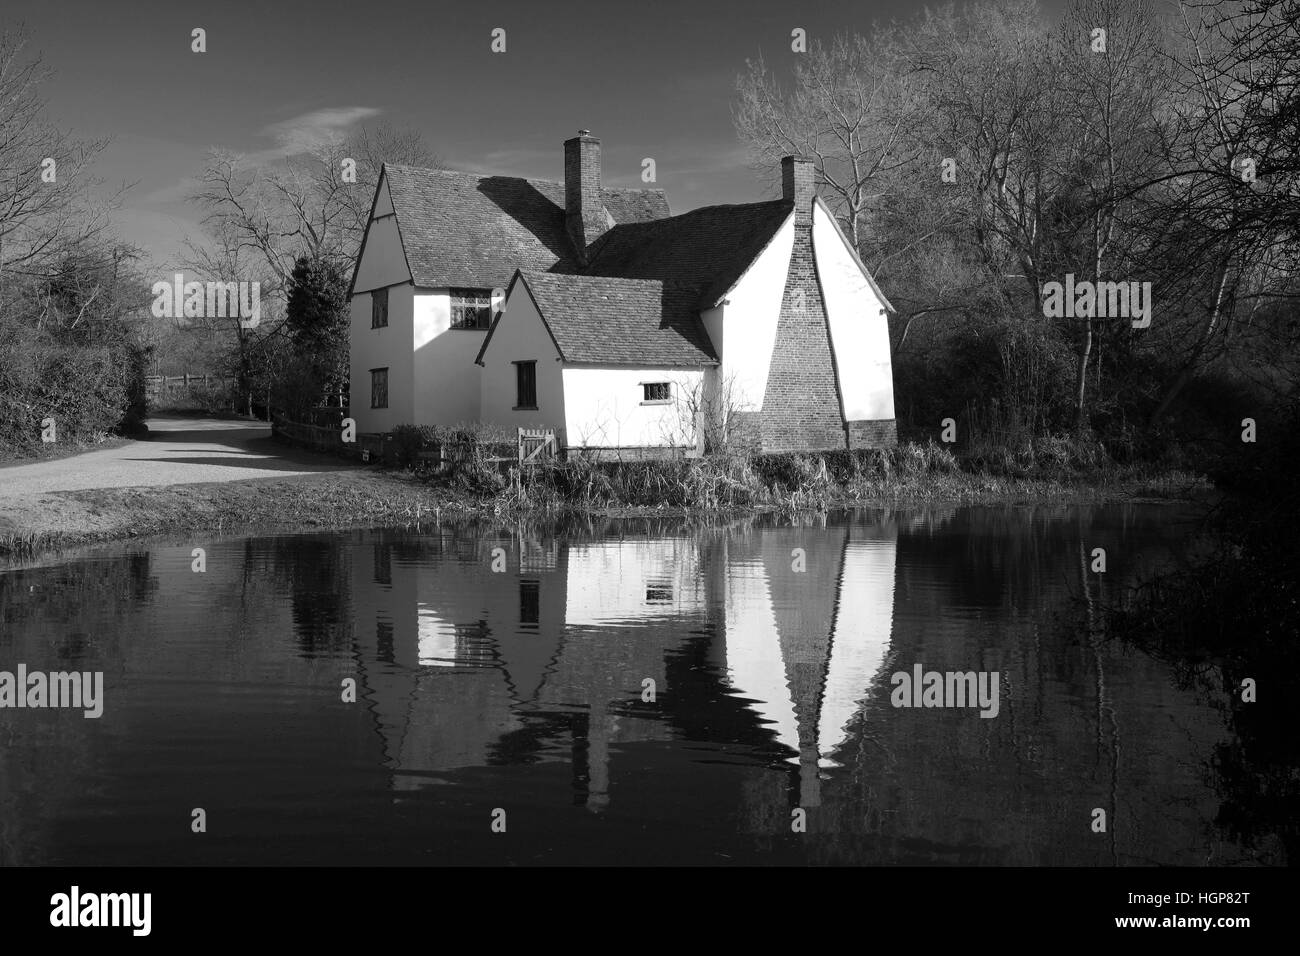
<point>471,308</point>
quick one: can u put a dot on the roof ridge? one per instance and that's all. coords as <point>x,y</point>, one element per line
<point>522,179</point>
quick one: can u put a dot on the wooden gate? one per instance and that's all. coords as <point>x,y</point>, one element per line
<point>536,445</point>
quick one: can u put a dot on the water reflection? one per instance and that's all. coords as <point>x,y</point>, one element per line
<point>516,668</point>
<point>452,662</point>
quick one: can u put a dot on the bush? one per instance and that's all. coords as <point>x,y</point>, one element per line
<point>91,388</point>
<point>408,442</point>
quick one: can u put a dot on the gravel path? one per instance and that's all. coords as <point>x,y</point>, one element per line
<point>178,451</point>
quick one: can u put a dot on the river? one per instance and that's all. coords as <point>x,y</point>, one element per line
<point>613,691</point>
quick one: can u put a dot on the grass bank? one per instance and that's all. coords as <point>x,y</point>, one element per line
<point>908,473</point>
<point>374,497</point>
<point>362,498</point>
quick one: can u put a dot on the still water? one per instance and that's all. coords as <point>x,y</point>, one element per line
<point>636,691</point>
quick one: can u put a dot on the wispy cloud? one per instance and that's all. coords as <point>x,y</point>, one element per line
<point>303,133</point>
<point>292,137</point>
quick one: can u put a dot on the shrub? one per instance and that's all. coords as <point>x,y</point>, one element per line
<point>407,443</point>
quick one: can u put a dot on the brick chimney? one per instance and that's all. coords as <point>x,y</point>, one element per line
<point>584,212</point>
<point>799,185</point>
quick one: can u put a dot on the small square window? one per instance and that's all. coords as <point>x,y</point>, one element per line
<point>656,392</point>
<point>659,592</point>
<point>379,388</point>
<point>379,309</point>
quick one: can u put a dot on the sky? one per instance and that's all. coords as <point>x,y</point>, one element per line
<point>650,78</point>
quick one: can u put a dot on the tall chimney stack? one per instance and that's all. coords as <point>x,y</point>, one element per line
<point>584,211</point>
<point>799,185</point>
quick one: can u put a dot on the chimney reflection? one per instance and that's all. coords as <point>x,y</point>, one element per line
<point>804,646</point>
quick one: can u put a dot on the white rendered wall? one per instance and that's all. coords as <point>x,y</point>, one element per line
<point>604,407</point>
<point>383,262</point>
<point>447,387</point>
<point>858,324</point>
<point>377,348</point>
<point>522,336</point>
<point>743,329</point>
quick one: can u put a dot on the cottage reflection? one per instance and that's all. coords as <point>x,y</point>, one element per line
<point>548,660</point>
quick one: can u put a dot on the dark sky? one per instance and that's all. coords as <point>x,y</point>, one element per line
<point>649,78</point>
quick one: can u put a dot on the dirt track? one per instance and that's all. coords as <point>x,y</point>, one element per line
<point>178,451</point>
<point>89,495</point>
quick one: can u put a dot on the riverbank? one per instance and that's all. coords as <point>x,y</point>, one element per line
<point>374,497</point>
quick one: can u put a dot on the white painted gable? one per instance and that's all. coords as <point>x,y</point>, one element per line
<point>859,324</point>
<point>383,261</point>
<point>743,327</point>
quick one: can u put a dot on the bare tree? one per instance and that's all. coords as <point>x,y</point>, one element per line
<point>255,354</point>
<point>850,108</point>
<point>304,205</point>
<point>48,205</point>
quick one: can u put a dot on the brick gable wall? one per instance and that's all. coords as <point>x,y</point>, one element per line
<point>801,407</point>
<point>877,434</point>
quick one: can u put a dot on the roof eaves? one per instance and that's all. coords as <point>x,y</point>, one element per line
<point>397,220</point>
<point>758,255</point>
<point>492,330</point>
<point>520,276</point>
<point>356,266</point>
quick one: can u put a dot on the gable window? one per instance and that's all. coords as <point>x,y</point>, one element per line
<point>656,393</point>
<point>526,385</point>
<point>471,308</point>
<point>379,388</point>
<point>379,309</point>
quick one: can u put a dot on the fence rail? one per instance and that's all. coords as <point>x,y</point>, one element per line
<point>319,437</point>
<point>159,385</point>
<point>531,447</point>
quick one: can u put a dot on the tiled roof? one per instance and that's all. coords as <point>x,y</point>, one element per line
<point>462,229</point>
<point>621,321</point>
<point>709,248</point>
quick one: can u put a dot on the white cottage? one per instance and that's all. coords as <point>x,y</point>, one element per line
<point>437,245</point>
<point>621,327</point>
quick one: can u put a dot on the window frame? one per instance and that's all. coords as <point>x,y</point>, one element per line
<point>519,396</point>
<point>373,382</point>
<point>377,296</point>
<point>530,602</point>
<point>646,393</point>
<point>483,302</point>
